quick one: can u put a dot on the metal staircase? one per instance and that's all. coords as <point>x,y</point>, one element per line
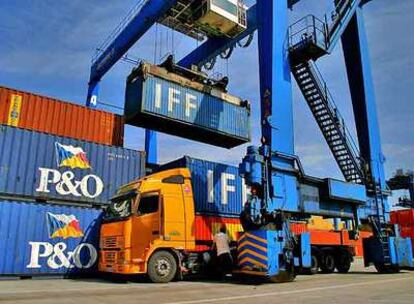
<point>309,39</point>
<point>379,223</point>
<point>329,120</point>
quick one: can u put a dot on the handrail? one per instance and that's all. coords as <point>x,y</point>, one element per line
<point>313,28</point>
<point>334,109</point>
<point>317,26</point>
<point>338,12</point>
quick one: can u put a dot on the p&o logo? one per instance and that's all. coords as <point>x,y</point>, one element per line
<point>57,255</point>
<point>65,182</point>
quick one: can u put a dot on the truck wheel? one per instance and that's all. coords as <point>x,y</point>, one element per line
<point>162,267</point>
<point>315,265</point>
<point>328,262</point>
<point>343,262</point>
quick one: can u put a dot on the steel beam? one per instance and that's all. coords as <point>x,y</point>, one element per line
<point>93,93</point>
<point>275,77</point>
<point>151,147</point>
<point>149,14</point>
<point>128,36</point>
<point>357,59</point>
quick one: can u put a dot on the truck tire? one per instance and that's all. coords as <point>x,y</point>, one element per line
<point>328,261</point>
<point>343,262</point>
<point>162,267</point>
<point>315,265</point>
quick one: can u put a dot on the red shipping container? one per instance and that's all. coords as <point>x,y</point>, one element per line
<point>394,217</point>
<point>407,231</point>
<point>49,115</point>
<point>406,217</point>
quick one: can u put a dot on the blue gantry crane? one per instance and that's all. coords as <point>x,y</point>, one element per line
<point>281,191</point>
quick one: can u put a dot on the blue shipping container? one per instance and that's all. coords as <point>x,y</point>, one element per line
<point>49,167</point>
<point>37,238</point>
<point>218,188</point>
<point>162,101</point>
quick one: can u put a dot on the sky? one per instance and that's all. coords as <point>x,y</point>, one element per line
<point>46,47</point>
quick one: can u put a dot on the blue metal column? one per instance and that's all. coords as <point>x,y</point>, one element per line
<point>93,93</point>
<point>275,78</point>
<point>151,147</point>
<point>357,59</point>
<point>276,107</point>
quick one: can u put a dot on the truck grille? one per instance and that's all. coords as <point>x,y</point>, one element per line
<point>113,257</point>
<point>112,242</point>
<point>110,257</point>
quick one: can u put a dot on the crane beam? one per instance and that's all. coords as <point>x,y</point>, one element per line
<point>150,12</point>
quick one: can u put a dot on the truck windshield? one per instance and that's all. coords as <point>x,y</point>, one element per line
<point>120,208</point>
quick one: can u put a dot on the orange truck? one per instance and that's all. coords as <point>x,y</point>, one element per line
<point>150,228</point>
<point>156,226</point>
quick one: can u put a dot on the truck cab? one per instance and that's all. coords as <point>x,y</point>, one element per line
<point>149,227</point>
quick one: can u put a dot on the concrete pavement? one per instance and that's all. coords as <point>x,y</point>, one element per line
<point>358,286</point>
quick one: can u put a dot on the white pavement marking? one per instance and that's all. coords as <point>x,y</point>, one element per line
<point>102,288</point>
<point>278,293</point>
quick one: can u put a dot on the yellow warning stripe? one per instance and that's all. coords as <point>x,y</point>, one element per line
<point>254,245</point>
<point>254,262</point>
<point>264,241</point>
<point>248,251</point>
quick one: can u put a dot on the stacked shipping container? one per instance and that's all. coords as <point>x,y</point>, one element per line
<point>404,218</point>
<point>59,164</point>
<point>42,166</point>
<point>44,114</point>
<point>45,238</point>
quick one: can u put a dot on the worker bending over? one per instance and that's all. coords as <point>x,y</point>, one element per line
<point>224,259</point>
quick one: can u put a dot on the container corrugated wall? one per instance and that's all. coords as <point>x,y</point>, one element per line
<point>165,106</point>
<point>44,166</point>
<point>207,226</point>
<point>44,114</point>
<point>218,188</point>
<point>36,239</point>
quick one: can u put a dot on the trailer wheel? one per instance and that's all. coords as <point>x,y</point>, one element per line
<point>343,262</point>
<point>162,267</point>
<point>328,262</point>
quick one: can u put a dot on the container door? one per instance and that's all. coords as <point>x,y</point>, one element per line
<point>148,220</point>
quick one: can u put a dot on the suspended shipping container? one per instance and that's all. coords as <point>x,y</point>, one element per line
<point>49,167</point>
<point>167,102</point>
<point>40,239</point>
<point>218,188</point>
<point>49,115</point>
